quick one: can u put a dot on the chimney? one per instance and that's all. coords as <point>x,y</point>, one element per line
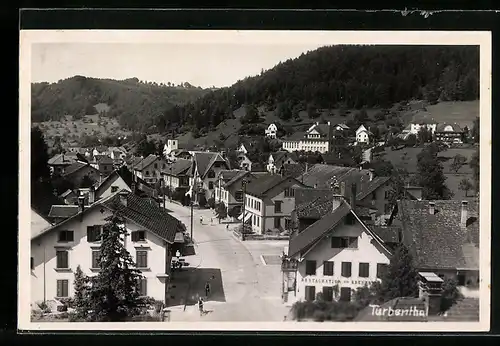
<point>463,214</point>
<point>329,123</point>
<point>123,198</point>
<point>432,208</point>
<point>353,196</point>
<point>317,122</point>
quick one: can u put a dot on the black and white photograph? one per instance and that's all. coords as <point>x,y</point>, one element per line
<point>249,180</point>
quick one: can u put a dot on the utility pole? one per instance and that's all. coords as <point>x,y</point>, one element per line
<point>191,202</point>
<point>218,206</point>
<point>244,188</point>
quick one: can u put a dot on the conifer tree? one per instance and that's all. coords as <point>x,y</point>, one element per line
<point>401,278</point>
<point>81,284</point>
<point>115,290</point>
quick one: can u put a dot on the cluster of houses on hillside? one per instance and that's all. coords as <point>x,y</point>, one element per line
<point>342,222</point>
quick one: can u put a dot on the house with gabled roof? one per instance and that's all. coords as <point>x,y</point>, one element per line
<point>229,188</point>
<point>449,133</point>
<point>443,238</point>
<point>150,168</point>
<point>334,255</point>
<point>318,138</point>
<point>269,202</point>
<point>59,162</point>
<point>152,237</point>
<point>276,160</point>
<point>363,136</point>
<point>124,180</point>
<point>177,174</point>
<point>76,172</point>
<point>206,166</point>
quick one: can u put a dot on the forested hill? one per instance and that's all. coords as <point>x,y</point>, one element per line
<point>342,76</point>
<point>133,102</point>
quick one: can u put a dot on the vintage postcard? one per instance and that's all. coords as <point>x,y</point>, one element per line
<point>248,180</point>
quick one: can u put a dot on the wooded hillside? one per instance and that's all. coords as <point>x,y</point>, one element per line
<point>341,77</point>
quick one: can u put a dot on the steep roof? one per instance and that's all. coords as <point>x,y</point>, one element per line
<point>38,223</point>
<point>438,240</point>
<point>265,182</point>
<point>455,127</point>
<point>389,234</point>
<point>368,187</point>
<point>105,160</point>
<point>144,212</point>
<point>178,167</point>
<point>141,185</point>
<point>296,136</point>
<point>75,167</point>
<point>322,129</point>
<point>61,159</point>
<point>205,160</point>
<point>292,169</point>
<point>63,211</point>
<point>322,175</point>
<point>143,164</point>
<point>282,155</point>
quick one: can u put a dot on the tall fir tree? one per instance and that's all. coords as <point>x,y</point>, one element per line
<point>430,174</point>
<point>115,290</point>
<point>401,278</point>
<point>81,302</point>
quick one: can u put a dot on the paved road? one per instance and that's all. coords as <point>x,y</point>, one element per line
<point>243,287</point>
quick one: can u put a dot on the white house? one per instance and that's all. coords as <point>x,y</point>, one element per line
<point>276,160</point>
<point>363,135</point>
<point>170,146</point>
<point>243,149</point>
<point>333,256</point>
<point>207,166</point>
<point>269,202</point>
<point>150,168</point>
<point>316,139</point>
<point>271,131</point>
<point>417,124</point>
<point>57,251</point>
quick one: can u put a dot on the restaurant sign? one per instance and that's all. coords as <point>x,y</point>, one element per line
<point>333,281</point>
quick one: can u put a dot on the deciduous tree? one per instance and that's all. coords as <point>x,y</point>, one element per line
<point>458,162</point>
<point>465,185</point>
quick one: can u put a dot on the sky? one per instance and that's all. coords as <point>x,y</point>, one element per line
<point>200,64</point>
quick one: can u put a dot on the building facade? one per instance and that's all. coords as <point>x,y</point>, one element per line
<point>271,131</point>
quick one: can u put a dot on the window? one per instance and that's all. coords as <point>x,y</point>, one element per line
<point>66,236</point>
<point>211,174</point>
<point>364,270</point>
<point>346,269</point>
<point>310,267</point>
<point>328,268</point>
<point>461,279</point>
<point>327,293</point>
<point>349,219</point>
<point>374,195</point>
<point>238,195</point>
<point>96,258</point>
<point>387,208</point>
<point>258,221</point>
<point>164,166</point>
<point>139,236</point>
<point>345,294</point>
<point>62,288</point>
<point>114,189</point>
<point>32,263</point>
<point>387,194</point>
<point>210,185</point>
<point>62,259</point>
<point>277,222</point>
<point>344,242</point>
<point>310,293</point>
<point>155,165</point>
<point>288,223</point>
<point>381,270</point>
<point>277,206</point>
<point>94,233</point>
<point>290,192</point>
<point>147,172</point>
<point>141,259</point>
<point>143,287</point>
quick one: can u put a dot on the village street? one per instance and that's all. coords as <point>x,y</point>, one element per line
<point>243,287</point>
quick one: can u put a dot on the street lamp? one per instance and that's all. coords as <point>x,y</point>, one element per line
<point>244,188</point>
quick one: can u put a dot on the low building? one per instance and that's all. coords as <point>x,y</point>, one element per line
<point>334,256</point>
<point>150,168</point>
<point>59,213</point>
<point>58,250</point>
<point>269,202</point>
<point>420,121</point>
<point>124,180</point>
<point>449,133</point>
<point>59,162</point>
<point>229,190</point>
<point>318,138</point>
<point>177,174</point>
<point>443,238</point>
<point>206,167</point>
<point>271,131</point>
<point>77,171</point>
<point>363,136</point>
<point>276,160</point>
<point>244,162</point>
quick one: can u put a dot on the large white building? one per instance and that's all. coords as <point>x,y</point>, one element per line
<point>316,139</point>
<point>58,250</point>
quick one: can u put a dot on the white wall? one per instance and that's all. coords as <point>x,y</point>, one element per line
<point>121,186</point>
<point>80,253</point>
<point>368,251</point>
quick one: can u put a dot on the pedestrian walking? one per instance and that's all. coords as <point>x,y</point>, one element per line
<point>200,306</point>
<point>227,227</point>
<point>207,289</point>
<point>211,220</point>
<point>201,220</point>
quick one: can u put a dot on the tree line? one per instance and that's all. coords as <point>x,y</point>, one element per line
<point>341,77</point>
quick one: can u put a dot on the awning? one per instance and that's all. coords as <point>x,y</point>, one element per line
<point>248,216</point>
<point>179,237</point>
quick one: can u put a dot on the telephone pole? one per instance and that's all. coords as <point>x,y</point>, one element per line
<point>244,188</point>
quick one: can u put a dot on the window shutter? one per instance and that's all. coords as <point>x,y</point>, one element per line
<point>90,233</point>
<point>144,288</point>
<point>134,236</point>
<point>70,236</point>
<point>59,288</point>
<point>65,288</point>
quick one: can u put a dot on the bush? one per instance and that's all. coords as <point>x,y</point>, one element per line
<point>450,294</point>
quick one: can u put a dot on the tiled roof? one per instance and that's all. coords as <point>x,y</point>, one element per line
<point>322,175</point>
<point>296,136</point>
<point>368,187</point>
<point>280,156</point>
<point>389,234</point>
<point>315,231</point>
<point>292,169</point>
<point>423,118</point>
<point>312,203</point>
<point>141,185</point>
<point>323,129</point>
<point>105,160</point>
<point>205,160</point>
<point>438,240</point>
<point>455,127</point>
<point>143,164</point>
<point>146,213</point>
<point>61,159</point>
<point>264,183</point>
<point>179,167</point>
<point>75,167</point>
<point>233,177</point>
<point>63,211</point>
